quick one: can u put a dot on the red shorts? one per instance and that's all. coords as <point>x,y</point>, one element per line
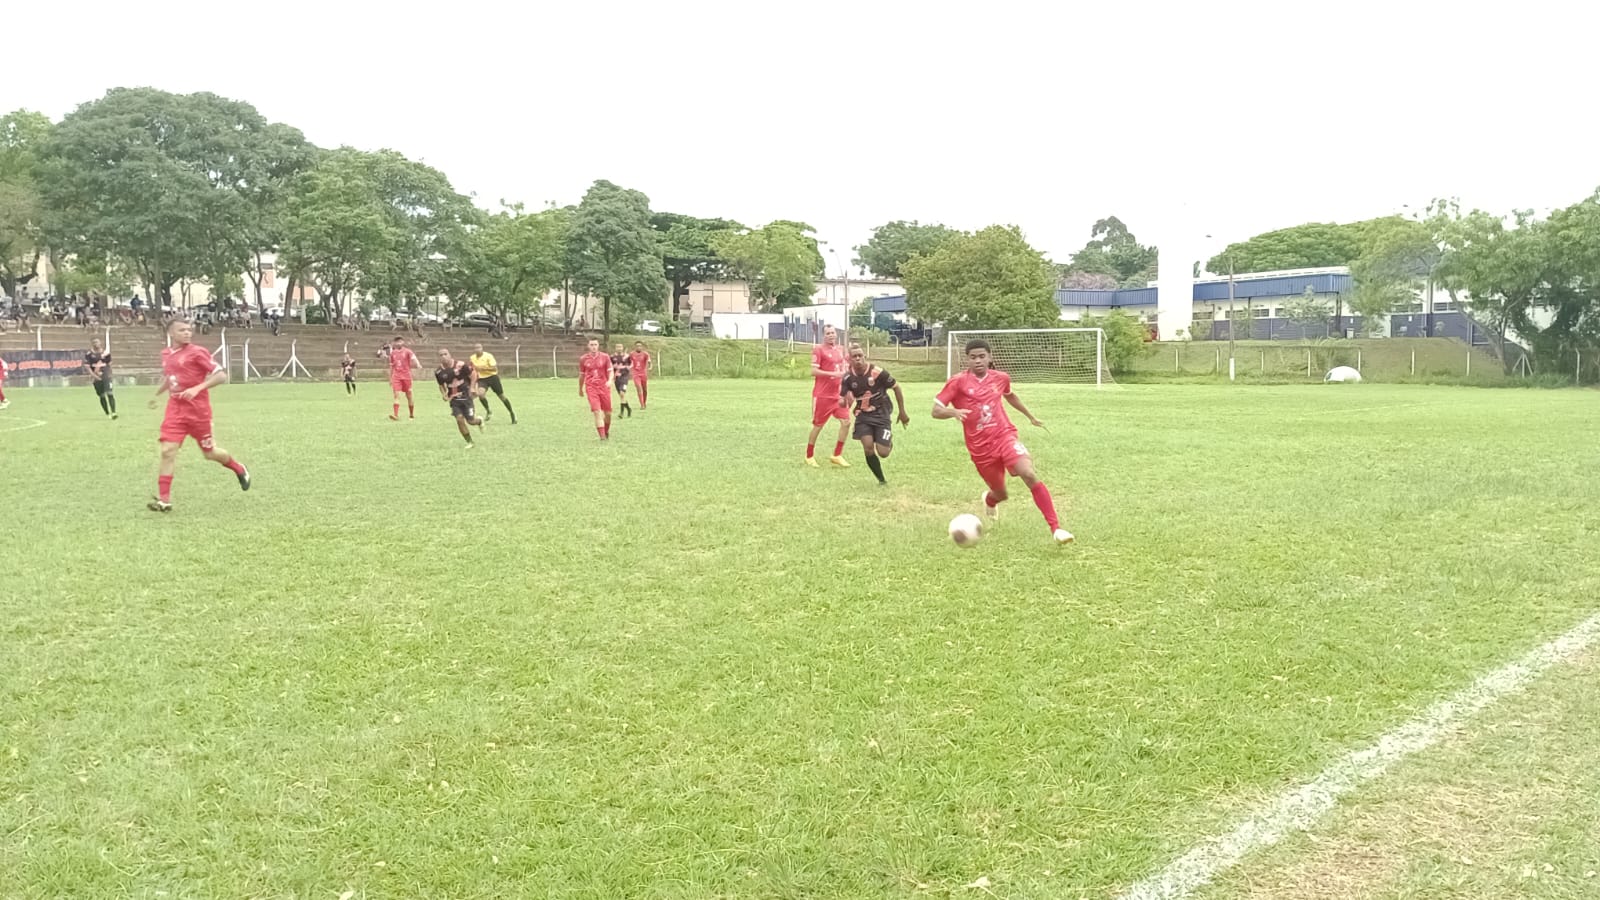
<point>825,408</point>
<point>400,384</point>
<point>173,431</point>
<point>993,468</point>
<point>599,398</point>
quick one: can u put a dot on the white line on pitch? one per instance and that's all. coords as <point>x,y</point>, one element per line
<point>1300,808</point>
<point>32,423</point>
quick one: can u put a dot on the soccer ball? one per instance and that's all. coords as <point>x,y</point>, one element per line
<point>966,530</point>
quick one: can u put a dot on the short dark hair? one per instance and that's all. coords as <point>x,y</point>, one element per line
<point>977,344</point>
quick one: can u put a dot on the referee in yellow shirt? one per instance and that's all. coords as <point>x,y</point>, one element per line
<point>489,380</point>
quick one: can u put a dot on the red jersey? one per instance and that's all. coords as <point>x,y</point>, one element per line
<point>828,359</point>
<point>595,370</point>
<point>988,430</point>
<point>641,364</point>
<point>185,367</point>
<point>401,359</point>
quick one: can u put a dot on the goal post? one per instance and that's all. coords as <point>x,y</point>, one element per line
<point>1037,355</point>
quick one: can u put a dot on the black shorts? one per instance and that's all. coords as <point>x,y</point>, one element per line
<point>877,428</point>
<point>491,383</point>
<point>621,382</point>
<point>463,407</point>
<point>102,388</point>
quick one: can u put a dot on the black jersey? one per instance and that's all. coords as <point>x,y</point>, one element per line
<point>457,380</point>
<point>871,391</point>
<point>621,366</point>
<point>100,360</point>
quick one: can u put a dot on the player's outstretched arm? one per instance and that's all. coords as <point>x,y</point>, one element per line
<point>900,404</point>
<point>1016,404</point>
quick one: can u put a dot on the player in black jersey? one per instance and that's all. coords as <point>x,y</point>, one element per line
<point>458,384</point>
<point>98,362</point>
<point>622,369</point>
<point>347,367</point>
<point>868,387</point>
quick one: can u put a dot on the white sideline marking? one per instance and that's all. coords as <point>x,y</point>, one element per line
<point>32,423</point>
<point>1300,808</point>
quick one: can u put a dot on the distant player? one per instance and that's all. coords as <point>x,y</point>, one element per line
<point>974,396</point>
<point>827,371</point>
<point>347,367</point>
<point>458,385</point>
<point>639,360</point>
<point>489,380</point>
<point>401,362</point>
<point>190,374</point>
<point>3,370</point>
<point>621,374</point>
<point>98,362</point>
<point>867,387</point>
<point>594,382</point>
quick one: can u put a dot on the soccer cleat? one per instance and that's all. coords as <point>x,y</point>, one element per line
<point>470,445</point>
<point>244,480</point>
<point>513,420</point>
<point>159,505</point>
<point>840,461</point>
<point>1063,537</point>
<point>4,403</point>
<point>113,417</point>
<point>812,462</point>
<point>992,512</point>
<point>393,417</point>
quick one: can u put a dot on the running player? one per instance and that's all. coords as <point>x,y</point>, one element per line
<point>458,384</point>
<point>867,387</point>
<point>622,372</point>
<point>190,373</point>
<point>347,367</point>
<point>594,382</point>
<point>401,362</point>
<point>973,396</point>
<point>827,371</point>
<point>489,380</point>
<point>98,362</point>
<point>3,370</point>
<point>639,361</point>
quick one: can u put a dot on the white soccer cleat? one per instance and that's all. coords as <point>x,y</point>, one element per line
<point>1063,537</point>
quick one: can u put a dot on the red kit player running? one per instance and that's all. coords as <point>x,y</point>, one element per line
<point>827,373</point>
<point>190,374</point>
<point>594,382</point>
<point>640,358</point>
<point>401,362</point>
<point>974,398</point>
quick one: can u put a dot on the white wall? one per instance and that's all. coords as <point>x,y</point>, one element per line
<point>743,326</point>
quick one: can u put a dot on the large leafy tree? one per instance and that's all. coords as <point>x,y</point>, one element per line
<point>893,243</point>
<point>372,222</point>
<point>613,254</point>
<point>1115,254</point>
<point>686,252</point>
<point>166,181</point>
<point>1312,245</point>
<point>508,262</point>
<point>22,137</point>
<point>780,262</point>
<point>1397,255</point>
<point>991,279</point>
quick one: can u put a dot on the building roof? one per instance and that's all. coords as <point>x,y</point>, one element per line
<point>1261,284</point>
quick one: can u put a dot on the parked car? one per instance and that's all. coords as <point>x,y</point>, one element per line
<point>649,326</point>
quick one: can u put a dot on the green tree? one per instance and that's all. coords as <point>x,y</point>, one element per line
<point>1312,245</point>
<point>893,243</point>
<point>1397,255</point>
<point>1124,338</point>
<point>614,254</point>
<point>508,262</point>
<point>991,279</point>
<point>23,134</point>
<point>780,262</point>
<point>1307,311</point>
<point>686,253</point>
<point>1115,254</point>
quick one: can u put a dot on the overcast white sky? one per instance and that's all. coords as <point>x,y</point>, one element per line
<point>1222,119</point>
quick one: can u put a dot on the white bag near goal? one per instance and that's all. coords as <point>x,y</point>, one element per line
<point>1037,355</point>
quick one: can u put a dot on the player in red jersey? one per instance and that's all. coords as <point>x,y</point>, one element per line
<point>594,382</point>
<point>401,362</point>
<point>974,398</point>
<point>827,373</point>
<point>3,369</point>
<point>190,374</point>
<point>640,358</point>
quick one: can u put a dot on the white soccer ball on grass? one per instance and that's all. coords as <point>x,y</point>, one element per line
<point>966,530</point>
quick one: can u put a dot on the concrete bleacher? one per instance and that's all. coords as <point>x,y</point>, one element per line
<point>136,349</point>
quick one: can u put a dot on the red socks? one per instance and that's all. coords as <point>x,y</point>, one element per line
<point>838,449</point>
<point>396,412</point>
<point>811,450</point>
<point>3,396</point>
<point>988,499</point>
<point>1046,504</point>
<point>600,431</point>
<point>164,488</point>
<point>233,466</point>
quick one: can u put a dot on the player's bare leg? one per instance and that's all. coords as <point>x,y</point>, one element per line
<point>394,415</point>
<point>466,433</point>
<point>1023,469</point>
<point>838,447</point>
<point>225,459</point>
<point>411,406</point>
<point>644,393</point>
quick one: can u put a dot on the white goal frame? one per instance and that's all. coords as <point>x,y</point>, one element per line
<point>955,358</point>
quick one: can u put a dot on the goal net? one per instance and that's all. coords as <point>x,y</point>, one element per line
<point>1037,355</point>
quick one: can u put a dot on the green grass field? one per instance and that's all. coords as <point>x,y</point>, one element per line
<point>683,665</point>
